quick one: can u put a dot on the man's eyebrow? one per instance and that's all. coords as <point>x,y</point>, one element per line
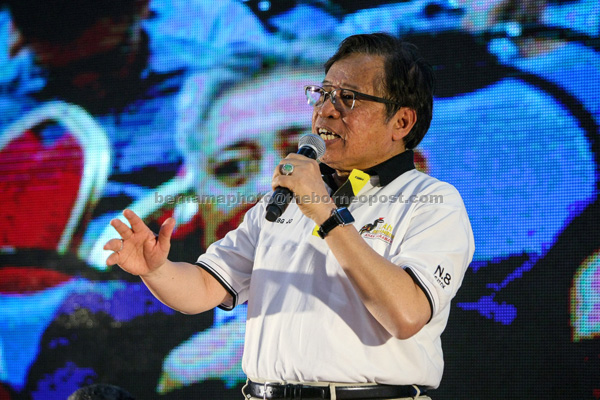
<point>346,86</point>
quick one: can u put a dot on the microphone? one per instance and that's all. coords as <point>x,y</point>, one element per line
<point>311,146</point>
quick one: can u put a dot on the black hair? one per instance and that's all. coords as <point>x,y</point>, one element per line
<point>408,79</point>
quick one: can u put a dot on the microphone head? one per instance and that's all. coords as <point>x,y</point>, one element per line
<point>313,141</point>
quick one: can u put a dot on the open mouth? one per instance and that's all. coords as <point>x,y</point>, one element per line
<point>327,135</point>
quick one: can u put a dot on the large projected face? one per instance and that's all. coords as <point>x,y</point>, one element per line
<point>248,130</point>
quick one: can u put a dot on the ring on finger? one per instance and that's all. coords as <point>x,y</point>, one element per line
<point>286,169</point>
<point>122,245</point>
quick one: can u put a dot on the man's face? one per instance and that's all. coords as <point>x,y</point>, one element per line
<point>359,138</point>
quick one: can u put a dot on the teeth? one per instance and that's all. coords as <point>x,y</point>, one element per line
<point>326,135</point>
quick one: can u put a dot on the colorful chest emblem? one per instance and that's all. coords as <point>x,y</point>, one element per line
<point>378,229</point>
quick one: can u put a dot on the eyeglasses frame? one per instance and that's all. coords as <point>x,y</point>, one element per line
<point>357,95</point>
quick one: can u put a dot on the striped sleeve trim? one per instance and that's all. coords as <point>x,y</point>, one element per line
<point>223,283</point>
<point>423,287</point>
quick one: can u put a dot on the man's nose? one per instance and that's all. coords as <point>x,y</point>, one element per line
<point>328,108</point>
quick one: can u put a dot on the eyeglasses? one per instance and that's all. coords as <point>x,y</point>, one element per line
<point>316,96</point>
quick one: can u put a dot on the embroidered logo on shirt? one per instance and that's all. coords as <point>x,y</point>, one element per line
<point>377,230</point>
<point>443,278</point>
<point>370,227</point>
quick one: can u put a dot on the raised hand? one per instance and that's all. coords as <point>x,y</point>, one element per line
<point>139,251</point>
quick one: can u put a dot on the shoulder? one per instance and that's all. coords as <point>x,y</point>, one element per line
<point>419,183</point>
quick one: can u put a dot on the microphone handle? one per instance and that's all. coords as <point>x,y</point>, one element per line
<point>278,203</point>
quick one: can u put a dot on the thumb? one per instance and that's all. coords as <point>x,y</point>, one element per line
<point>164,235</point>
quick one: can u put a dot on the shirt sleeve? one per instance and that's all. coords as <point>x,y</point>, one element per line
<point>231,259</point>
<point>437,248</point>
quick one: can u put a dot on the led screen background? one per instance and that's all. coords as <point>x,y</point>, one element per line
<point>182,108</point>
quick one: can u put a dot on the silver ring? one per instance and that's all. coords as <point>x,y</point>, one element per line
<point>286,169</point>
<point>122,245</point>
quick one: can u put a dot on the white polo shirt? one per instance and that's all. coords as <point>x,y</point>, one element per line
<point>305,320</point>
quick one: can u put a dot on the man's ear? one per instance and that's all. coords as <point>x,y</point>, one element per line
<point>403,121</point>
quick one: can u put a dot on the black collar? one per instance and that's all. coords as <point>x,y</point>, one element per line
<point>387,170</point>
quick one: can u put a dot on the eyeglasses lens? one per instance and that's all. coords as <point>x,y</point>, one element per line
<point>317,95</point>
<point>314,95</point>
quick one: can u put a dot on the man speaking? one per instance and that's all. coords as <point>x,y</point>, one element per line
<point>334,313</point>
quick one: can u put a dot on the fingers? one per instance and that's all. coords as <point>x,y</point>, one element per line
<point>294,159</point>
<point>297,162</point>
<point>114,245</point>
<point>137,225</point>
<point>164,235</point>
<point>126,233</point>
<point>113,259</point>
<point>122,229</point>
<point>282,181</point>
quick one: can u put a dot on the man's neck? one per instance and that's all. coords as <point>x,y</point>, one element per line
<point>340,178</point>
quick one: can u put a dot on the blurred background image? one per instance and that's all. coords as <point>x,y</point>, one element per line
<point>183,108</point>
